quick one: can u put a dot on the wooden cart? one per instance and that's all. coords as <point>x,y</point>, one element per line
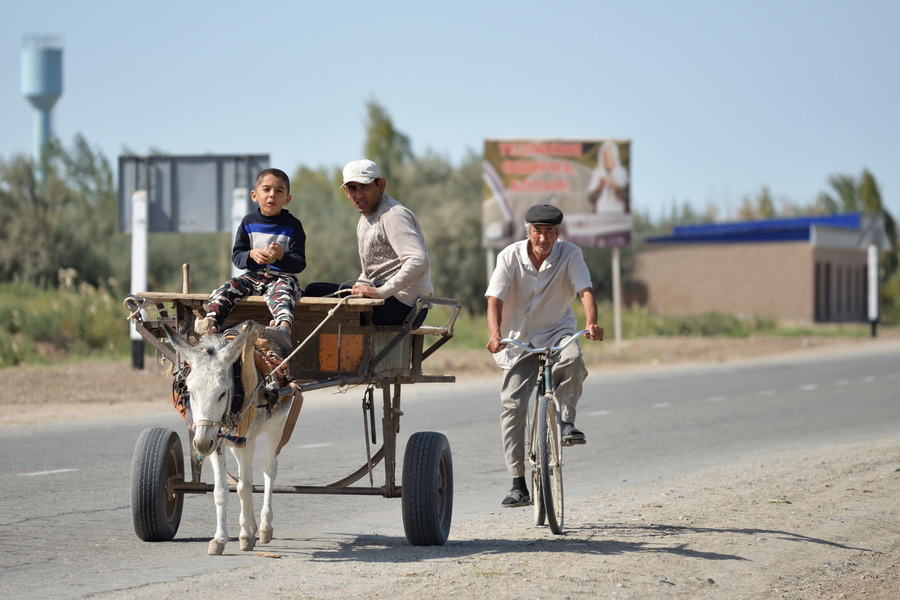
<point>341,347</point>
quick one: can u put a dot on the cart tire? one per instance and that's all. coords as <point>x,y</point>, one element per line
<point>158,460</point>
<point>427,489</point>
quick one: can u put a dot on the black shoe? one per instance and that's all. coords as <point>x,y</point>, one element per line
<point>516,498</point>
<point>570,434</point>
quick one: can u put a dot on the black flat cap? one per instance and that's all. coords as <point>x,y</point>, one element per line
<point>543,214</point>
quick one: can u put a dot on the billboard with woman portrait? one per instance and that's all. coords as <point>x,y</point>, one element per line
<point>589,180</point>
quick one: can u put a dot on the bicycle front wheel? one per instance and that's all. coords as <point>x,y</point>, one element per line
<point>550,458</point>
<point>540,514</point>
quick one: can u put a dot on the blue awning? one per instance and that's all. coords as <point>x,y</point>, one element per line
<point>769,230</point>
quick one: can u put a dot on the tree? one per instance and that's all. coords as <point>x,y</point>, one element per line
<point>862,195</point>
<point>762,207</point>
<point>65,220</point>
<point>329,220</point>
<point>387,146</point>
<point>448,204</point>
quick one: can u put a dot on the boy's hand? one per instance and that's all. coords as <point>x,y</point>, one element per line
<point>267,256</point>
<point>259,256</point>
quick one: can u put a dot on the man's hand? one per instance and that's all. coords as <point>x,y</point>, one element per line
<point>494,345</point>
<point>595,332</point>
<point>366,291</point>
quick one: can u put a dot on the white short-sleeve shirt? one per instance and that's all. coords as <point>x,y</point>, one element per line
<point>537,304</point>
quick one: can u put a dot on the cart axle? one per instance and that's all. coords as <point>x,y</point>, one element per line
<point>203,488</point>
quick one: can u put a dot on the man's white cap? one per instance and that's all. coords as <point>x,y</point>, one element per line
<point>361,171</point>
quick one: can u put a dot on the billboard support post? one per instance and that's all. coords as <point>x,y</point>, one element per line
<point>617,297</point>
<point>491,262</point>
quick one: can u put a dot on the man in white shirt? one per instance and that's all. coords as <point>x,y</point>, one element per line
<point>530,298</point>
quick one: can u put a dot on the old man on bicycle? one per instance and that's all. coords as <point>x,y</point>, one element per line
<point>530,298</point>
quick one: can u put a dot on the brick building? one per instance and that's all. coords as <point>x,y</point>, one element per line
<point>805,268</point>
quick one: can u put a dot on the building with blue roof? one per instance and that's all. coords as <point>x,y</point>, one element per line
<point>806,269</point>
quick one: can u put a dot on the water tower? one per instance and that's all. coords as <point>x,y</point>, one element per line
<point>41,84</point>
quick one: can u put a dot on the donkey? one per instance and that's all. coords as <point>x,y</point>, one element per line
<point>211,391</point>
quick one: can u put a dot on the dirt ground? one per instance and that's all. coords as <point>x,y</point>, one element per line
<point>796,525</point>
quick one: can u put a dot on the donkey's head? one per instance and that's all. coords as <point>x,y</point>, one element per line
<point>210,382</point>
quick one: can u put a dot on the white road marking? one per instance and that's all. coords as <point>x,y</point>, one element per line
<point>715,399</point>
<point>808,387</point>
<point>766,393</point>
<point>662,405</point>
<point>599,413</point>
<point>53,472</point>
<point>868,379</point>
<point>322,445</point>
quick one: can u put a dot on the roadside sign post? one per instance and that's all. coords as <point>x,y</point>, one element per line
<point>872,269</point>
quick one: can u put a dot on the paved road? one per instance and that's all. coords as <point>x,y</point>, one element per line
<point>65,520</point>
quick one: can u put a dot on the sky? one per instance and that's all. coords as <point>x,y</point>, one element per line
<point>718,98</point>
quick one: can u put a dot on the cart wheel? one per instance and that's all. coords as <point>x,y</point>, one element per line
<point>158,461</point>
<point>427,493</point>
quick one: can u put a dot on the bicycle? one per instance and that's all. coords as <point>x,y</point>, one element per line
<point>545,442</point>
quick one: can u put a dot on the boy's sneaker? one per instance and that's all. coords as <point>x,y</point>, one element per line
<point>206,325</point>
<point>280,336</point>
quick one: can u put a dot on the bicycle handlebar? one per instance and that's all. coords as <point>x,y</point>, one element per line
<point>548,349</point>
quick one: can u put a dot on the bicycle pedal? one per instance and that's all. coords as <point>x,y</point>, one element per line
<point>574,442</point>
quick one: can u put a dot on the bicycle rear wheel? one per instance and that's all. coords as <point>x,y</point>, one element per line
<point>550,459</point>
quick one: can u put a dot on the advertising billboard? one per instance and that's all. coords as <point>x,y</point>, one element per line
<point>589,180</point>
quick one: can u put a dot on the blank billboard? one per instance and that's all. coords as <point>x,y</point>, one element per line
<point>187,194</point>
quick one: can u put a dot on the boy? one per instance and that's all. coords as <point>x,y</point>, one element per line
<point>271,244</point>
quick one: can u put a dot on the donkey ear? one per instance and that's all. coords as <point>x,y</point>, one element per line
<point>179,341</point>
<point>235,347</point>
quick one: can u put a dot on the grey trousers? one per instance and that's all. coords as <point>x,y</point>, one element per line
<point>519,383</point>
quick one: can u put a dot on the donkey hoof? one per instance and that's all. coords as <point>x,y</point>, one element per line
<point>215,547</point>
<point>265,536</point>
<point>247,543</point>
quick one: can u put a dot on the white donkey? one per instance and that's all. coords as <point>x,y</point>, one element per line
<point>211,389</point>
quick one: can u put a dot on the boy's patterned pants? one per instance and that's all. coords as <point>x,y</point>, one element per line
<point>279,290</point>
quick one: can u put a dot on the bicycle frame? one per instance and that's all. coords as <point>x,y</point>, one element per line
<point>547,357</point>
<point>544,444</point>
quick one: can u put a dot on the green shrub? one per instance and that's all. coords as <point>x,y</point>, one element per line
<point>890,301</point>
<point>78,319</point>
<point>15,349</point>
